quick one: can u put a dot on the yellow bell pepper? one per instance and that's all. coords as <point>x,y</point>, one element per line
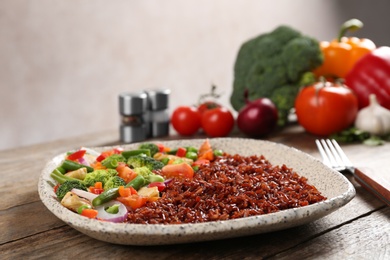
<point>341,54</point>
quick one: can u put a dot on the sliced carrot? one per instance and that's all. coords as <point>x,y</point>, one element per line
<point>125,172</point>
<point>98,185</point>
<point>98,166</point>
<point>205,151</point>
<point>126,192</point>
<point>133,201</point>
<point>89,213</point>
<point>180,170</point>
<point>201,162</point>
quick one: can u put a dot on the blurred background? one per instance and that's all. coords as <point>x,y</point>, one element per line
<point>64,63</point>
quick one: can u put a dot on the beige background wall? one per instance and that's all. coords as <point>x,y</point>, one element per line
<point>63,63</point>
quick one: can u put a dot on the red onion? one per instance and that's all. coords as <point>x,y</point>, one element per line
<point>119,217</point>
<point>166,182</point>
<point>91,151</point>
<point>83,161</point>
<point>257,118</point>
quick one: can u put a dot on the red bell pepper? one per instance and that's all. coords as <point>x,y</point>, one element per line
<point>371,75</point>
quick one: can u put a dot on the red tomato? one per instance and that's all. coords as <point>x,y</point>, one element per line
<point>326,108</point>
<point>217,122</point>
<point>207,105</point>
<point>186,120</point>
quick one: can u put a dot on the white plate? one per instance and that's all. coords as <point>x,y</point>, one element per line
<point>330,183</point>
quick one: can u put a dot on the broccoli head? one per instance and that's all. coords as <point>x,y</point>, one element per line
<point>99,176</point>
<point>114,182</point>
<point>275,65</point>
<point>153,148</point>
<point>148,175</point>
<point>142,160</point>
<point>68,186</point>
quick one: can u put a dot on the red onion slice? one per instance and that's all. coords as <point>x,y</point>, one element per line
<point>83,161</point>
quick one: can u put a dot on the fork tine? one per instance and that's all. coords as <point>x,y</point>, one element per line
<point>325,158</point>
<point>335,152</point>
<point>342,155</point>
<point>329,153</point>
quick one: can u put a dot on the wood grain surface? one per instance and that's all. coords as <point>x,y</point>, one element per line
<point>359,230</point>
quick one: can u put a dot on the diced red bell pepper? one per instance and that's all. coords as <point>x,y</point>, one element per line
<point>181,152</point>
<point>160,185</point>
<point>76,155</point>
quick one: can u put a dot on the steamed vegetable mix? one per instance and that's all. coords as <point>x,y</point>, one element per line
<point>275,65</point>
<point>341,54</point>
<point>107,185</point>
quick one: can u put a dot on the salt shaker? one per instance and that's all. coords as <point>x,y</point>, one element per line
<point>132,108</point>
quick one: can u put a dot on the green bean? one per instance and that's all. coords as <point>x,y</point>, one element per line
<point>71,166</point>
<point>137,182</point>
<point>129,153</point>
<point>59,177</point>
<point>105,196</point>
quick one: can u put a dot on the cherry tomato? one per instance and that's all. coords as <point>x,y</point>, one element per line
<point>217,122</point>
<point>186,120</point>
<point>326,108</point>
<point>207,105</point>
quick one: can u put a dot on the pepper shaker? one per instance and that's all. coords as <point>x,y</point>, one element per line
<point>132,108</point>
<point>157,116</point>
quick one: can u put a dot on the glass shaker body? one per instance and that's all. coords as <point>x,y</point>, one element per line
<point>132,109</point>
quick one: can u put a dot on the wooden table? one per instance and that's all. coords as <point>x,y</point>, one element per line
<point>360,230</point>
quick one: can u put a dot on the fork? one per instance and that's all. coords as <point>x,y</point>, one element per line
<point>334,157</point>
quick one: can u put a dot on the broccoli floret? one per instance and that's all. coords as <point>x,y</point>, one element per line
<point>141,160</point>
<point>275,65</point>
<point>148,175</point>
<point>99,176</point>
<point>150,146</point>
<point>112,161</point>
<point>68,186</point>
<point>114,182</point>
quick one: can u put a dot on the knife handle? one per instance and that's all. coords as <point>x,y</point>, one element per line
<point>374,183</point>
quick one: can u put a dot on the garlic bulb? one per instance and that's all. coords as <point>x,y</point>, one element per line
<point>374,118</point>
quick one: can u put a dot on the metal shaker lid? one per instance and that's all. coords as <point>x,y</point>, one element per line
<point>158,99</point>
<point>132,103</point>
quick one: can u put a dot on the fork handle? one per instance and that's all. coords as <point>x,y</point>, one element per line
<point>374,183</point>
